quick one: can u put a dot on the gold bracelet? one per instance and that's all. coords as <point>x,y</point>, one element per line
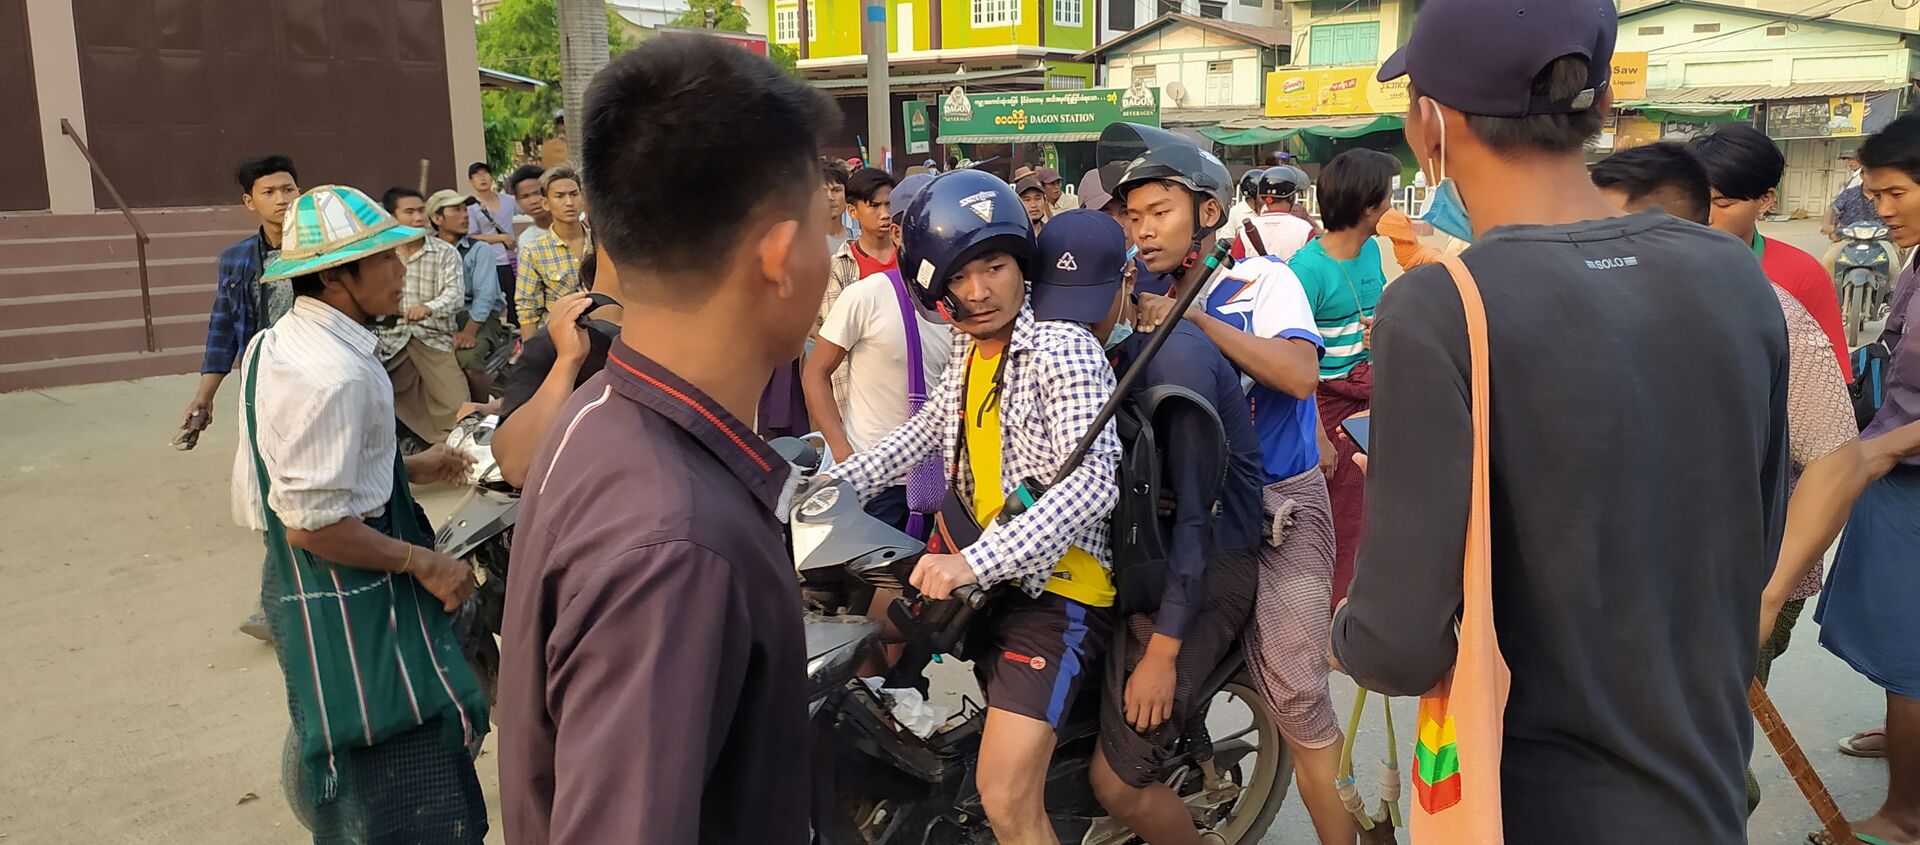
<point>409,564</point>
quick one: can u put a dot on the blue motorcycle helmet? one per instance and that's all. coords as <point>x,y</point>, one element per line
<point>904,193</point>
<point>957,217</point>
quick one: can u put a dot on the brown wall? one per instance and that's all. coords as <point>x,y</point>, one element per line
<point>23,177</point>
<point>179,91</point>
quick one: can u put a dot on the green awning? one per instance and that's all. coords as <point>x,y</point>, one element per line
<point>1019,138</point>
<point>1692,112</point>
<point>1274,130</point>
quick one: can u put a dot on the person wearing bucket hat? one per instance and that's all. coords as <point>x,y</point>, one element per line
<point>382,743</point>
<point>1259,317</point>
<point>1057,197</point>
<point>1018,395</point>
<point>482,330</point>
<point>1503,97</point>
<point>1210,564</point>
<point>1033,198</point>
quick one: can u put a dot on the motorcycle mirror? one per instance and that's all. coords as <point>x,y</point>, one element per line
<point>831,530</point>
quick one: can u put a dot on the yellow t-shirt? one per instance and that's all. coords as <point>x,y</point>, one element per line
<point>1078,575</point>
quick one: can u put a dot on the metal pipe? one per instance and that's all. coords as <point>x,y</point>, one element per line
<point>140,237</point>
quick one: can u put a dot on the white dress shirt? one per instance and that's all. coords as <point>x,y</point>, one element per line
<point>325,407</point>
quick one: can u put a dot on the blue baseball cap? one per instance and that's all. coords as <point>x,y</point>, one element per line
<point>1481,56</point>
<point>1080,258</point>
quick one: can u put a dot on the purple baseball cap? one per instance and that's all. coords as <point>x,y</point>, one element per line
<point>1481,56</point>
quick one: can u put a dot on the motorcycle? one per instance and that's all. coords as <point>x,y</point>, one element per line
<point>894,785</point>
<point>480,532</point>
<point>1863,275</point>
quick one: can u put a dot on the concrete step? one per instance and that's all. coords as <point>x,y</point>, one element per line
<point>53,253</point>
<point>49,343</point>
<point>90,369</point>
<point>57,309</point>
<point>104,276</point>
<point>158,221</point>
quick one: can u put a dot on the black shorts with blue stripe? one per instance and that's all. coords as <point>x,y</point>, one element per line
<point>1039,652</point>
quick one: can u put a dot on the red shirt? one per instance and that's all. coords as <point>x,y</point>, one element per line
<point>1801,275</point>
<point>870,265</point>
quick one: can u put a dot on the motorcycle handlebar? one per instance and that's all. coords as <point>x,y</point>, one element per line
<point>971,595</point>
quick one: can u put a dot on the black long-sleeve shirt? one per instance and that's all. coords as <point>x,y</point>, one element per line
<point>1193,455</point>
<point>1638,427</point>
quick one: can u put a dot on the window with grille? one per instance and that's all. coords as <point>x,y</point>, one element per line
<point>1651,30</point>
<point>996,12</point>
<point>1120,14</point>
<point>1169,7</point>
<point>1068,12</point>
<point>1706,27</point>
<point>1219,83</point>
<point>1344,43</point>
<point>1214,11</point>
<point>786,25</point>
<point>1066,83</point>
<point>1148,76</point>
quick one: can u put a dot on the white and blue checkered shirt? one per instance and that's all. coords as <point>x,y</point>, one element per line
<point>1055,381</point>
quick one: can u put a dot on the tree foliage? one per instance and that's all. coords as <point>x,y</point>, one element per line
<point>728,17</point>
<point>523,37</point>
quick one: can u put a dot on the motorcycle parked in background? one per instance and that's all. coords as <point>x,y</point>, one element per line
<point>1863,276</point>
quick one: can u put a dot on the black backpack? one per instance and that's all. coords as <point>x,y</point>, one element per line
<point>1869,381</point>
<point>1139,533</point>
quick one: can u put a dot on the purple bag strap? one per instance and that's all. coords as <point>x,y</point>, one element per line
<point>916,359</point>
<point>926,488</point>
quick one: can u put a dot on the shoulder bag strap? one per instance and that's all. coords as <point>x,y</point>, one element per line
<point>1457,780</point>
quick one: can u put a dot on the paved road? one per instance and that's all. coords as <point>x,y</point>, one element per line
<point>135,713</point>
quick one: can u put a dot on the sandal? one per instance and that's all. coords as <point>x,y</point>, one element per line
<point>1857,745</point>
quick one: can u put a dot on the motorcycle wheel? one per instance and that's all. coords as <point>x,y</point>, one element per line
<point>1260,762</point>
<point>1853,311</point>
<point>1252,764</point>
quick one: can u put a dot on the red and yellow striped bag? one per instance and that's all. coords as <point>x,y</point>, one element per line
<point>1456,777</point>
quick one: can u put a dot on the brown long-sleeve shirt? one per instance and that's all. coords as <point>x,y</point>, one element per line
<point>653,681</point>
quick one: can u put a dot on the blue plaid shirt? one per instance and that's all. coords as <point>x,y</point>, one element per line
<point>1056,379</point>
<point>236,304</point>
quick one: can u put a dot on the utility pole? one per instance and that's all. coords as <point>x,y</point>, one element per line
<point>873,28</point>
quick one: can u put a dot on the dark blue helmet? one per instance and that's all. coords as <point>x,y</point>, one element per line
<point>957,217</point>
<point>904,193</point>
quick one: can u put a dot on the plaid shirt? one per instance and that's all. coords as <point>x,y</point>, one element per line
<point>1055,382</point>
<point>235,317</point>
<point>436,279</point>
<point>842,271</point>
<point>548,270</point>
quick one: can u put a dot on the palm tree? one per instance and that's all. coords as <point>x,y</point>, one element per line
<point>583,52</point>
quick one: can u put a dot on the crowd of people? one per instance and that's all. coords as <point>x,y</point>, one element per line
<point>1673,448</point>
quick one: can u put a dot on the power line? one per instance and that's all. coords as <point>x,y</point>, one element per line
<point>1794,20</point>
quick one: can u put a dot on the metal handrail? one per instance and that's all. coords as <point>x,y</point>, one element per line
<point>140,236</point>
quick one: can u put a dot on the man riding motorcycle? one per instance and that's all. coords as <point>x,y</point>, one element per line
<point>1014,403</point>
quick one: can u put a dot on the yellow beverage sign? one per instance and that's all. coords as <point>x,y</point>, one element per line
<point>1319,92</point>
<point>1629,77</point>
